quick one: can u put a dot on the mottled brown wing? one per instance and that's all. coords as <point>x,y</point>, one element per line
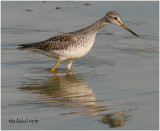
<point>59,42</point>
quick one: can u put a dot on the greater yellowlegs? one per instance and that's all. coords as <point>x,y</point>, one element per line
<point>73,45</point>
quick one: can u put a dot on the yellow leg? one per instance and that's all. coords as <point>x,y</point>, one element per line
<point>56,65</point>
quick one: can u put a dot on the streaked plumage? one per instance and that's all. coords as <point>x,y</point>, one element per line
<point>74,45</point>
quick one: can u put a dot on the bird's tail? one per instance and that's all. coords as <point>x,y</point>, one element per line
<point>27,46</point>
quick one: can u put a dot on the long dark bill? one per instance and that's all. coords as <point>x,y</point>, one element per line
<point>125,27</point>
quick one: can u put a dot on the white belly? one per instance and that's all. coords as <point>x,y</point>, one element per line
<point>77,51</point>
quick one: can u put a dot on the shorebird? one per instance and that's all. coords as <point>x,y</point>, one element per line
<point>73,45</point>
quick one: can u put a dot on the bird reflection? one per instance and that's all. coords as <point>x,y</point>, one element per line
<point>70,91</point>
<point>115,120</point>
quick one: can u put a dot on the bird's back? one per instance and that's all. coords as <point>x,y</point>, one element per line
<point>59,42</point>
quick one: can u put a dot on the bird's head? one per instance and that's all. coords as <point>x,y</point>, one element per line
<point>113,17</point>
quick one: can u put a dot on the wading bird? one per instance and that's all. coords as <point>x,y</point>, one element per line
<point>73,45</point>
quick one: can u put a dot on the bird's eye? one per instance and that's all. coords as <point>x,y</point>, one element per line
<point>115,18</point>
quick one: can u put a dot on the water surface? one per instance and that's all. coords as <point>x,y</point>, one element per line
<point>115,86</point>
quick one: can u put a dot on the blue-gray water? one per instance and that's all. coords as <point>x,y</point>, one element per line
<point>115,86</point>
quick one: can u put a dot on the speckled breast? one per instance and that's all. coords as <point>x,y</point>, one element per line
<point>81,46</point>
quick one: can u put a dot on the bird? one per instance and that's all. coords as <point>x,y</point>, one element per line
<point>74,45</point>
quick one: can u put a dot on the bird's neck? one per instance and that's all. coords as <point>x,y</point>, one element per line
<point>95,27</point>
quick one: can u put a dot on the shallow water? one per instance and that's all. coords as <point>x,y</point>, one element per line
<point>115,86</point>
